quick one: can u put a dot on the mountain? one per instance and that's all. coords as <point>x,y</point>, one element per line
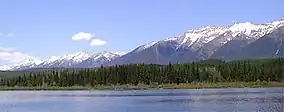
<point>241,40</point>
<point>77,60</point>
<point>26,64</point>
<point>97,59</point>
<point>65,61</point>
<point>237,41</point>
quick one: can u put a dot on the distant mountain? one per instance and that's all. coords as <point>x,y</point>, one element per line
<point>78,60</point>
<point>97,59</point>
<point>237,41</point>
<point>26,64</point>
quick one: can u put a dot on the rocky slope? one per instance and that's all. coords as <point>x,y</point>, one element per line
<point>237,41</point>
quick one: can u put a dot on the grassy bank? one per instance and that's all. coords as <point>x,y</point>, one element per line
<point>163,86</point>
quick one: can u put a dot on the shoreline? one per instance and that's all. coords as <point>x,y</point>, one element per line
<point>152,87</point>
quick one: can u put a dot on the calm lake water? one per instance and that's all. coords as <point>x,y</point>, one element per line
<point>202,100</point>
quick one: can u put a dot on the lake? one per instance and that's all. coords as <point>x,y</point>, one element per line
<point>192,100</point>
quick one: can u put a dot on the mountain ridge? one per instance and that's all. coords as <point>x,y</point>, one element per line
<point>199,44</point>
<point>67,60</point>
<point>236,41</point>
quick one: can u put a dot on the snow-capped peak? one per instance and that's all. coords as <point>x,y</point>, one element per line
<point>28,62</point>
<point>199,37</point>
<point>105,54</point>
<point>79,56</point>
<point>66,60</point>
<point>255,30</point>
<point>208,33</point>
<point>4,68</point>
<point>76,57</point>
<point>145,46</point>
<point>205,29</point>
<point>53,58</point>
<point>276,24</point>
<point>251,30</point>
<point>247,28</point>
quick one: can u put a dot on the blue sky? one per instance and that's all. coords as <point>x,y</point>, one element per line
<point>44,28</point>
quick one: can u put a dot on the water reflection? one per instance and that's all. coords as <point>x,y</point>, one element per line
<point>203,100</point>
<point>146,94</point>
<point>220,100</point>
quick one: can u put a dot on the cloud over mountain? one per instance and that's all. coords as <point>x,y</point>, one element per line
<point>97,42</point>
<point>10,55</point>
<point>89,37</point>
<point>82,36</point>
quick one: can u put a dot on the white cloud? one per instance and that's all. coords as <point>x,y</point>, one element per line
<point>6,35</point>
<point>120,53</point>
<point>11,56</point>
<point>89,36</point>
<point>82,36</point>
<point>97,42</point>
<point>9,35</point>
<point>6,49</point>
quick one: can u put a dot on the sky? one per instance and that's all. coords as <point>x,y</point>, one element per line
<point>44,28</point>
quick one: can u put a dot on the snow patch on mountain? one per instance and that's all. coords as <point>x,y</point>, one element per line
<point>67,60</point>
<point>145,46</point>
<point>200,36</point>
<point>255,30</point>
<point>108,55</point>
<point>77,57</point>
<point>27,63</point>
<point>196,38</point>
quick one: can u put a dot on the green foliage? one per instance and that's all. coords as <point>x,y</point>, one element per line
<point>211,71</point>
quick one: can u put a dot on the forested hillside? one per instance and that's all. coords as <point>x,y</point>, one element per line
<point>203,71</point>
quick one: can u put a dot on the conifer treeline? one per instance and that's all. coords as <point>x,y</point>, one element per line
<point>204,71</point>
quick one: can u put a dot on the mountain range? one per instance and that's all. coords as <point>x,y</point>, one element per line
<point>78,60</point>
<point>242,40</point>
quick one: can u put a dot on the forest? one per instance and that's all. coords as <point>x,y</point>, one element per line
<point>211,71</point>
